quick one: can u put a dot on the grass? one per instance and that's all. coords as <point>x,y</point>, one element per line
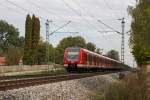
<point>134,86</point>
<point>61,71</point>
<point>95,95</point>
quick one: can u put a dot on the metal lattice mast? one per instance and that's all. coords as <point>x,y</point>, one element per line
<point>50,33</point>
<point>47,41</point>
<point>122,42</point>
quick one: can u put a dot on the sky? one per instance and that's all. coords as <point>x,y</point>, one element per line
<point>84,16</point>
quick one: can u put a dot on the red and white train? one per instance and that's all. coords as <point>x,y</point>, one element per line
<point>80,59</point>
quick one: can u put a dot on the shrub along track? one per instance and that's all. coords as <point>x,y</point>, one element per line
<point>39,80</point>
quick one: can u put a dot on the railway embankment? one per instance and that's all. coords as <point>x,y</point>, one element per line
<point>79,89</point>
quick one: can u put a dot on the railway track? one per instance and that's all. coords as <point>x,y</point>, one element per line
<point>26,82</point>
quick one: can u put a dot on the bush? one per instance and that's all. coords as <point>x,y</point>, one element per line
<point>115,91</point>
<point>136,86</point>
<point>13,56</point>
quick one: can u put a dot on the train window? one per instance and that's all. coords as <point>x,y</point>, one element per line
<point>72,55</point>
<point>90,59</point>
<point>93,59</point>
<point>97,61</point>
<point>85,58</point>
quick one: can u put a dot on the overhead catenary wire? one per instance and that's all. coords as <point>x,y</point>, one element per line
<point>109,7</point>
<point>108,26</point>
<point>43,9</point>
<point>6,6</point>
<point>60,27</point>
<point>93,19</point>
<point>93,27</point>
<point>26,10</point>
<point>80,15</point>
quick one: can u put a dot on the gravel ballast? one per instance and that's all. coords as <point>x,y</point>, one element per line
<point>78,89</point>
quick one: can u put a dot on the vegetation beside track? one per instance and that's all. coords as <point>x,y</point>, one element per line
<point>135,86</point>
<point>45,72</point>
<point>140,29</point>
<point>60,71</point>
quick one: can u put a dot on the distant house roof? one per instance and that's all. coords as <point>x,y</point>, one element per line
<point>2,60</point>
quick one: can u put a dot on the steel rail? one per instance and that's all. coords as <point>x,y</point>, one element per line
<point>26,82</point>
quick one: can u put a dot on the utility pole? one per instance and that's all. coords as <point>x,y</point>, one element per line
<point>121,33</point>
<point>47,41</point>
<point>47,37</point>
<point>122,41</point>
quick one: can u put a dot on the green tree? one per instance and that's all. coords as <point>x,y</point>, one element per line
<point>9,37</point>
<point>72,42</point>
<point>27,58</point>
<point>35,37</point>
<point>113,54</point>
<point>91,46</point>
<point>68,42</point>
<point>140,28</point>
<point>41,55</point>
<point>99,51</point>
<point>32,37</point>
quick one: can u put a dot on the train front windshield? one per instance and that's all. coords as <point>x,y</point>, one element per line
<point>73,54</point>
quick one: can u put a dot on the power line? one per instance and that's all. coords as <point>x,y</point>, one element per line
<point>85,11</point>
<point>109,7</point>
<point>44,9</point>
<point>26,10</point>
<point>67,5</point>
<point>80,14</point>
<point>11,9</point>
<point>108,26</point>
<point>18,6</point>
<point>91,17</point>
<point>60,27</point>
